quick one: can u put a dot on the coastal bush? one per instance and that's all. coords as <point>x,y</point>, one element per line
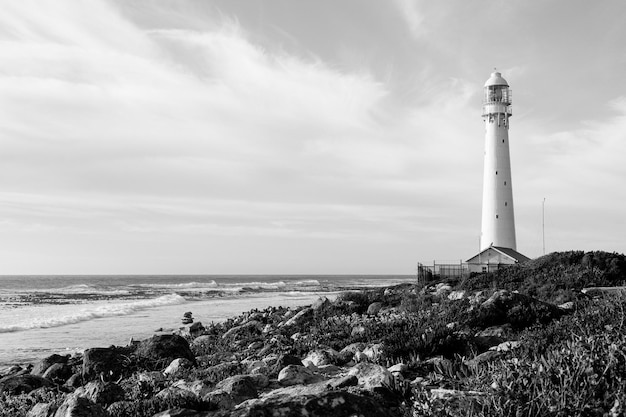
<point>20,405</point>
<point>555,277</point>
<point>152,406</point>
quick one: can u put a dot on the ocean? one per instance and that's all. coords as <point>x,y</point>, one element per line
<point>42,315</point>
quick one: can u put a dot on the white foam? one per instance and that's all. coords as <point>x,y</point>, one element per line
<point>93,312</point>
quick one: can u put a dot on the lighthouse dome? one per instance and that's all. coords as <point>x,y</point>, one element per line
<point>496,79</point>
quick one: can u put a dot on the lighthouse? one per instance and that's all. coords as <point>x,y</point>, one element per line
<point>498,247</point>
<point>498,217</point>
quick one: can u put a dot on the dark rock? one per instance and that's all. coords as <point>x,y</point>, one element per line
<point>22,384</point>
<point>252,327</point>
<point>106,363</point>
<point>374,308</point>
<point>240,387</point>
<point>41,366</point>
<point>74,381</point>
<point>162,349</point>
<point>75,406</point>
<point>103,392</point>
<point>58,373</point>
<point>283,361</point>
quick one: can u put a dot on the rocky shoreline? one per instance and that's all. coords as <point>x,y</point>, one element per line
<point>407,350</point>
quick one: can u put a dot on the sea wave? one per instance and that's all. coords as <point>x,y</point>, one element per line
<point>182,285</point>
<point>81,289</point>
<point>86,314</point>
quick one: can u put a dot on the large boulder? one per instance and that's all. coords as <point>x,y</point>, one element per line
<point>178,365</point>
<point>75,406</point>
<point>319,357</point>
<point>372,377</point>
<point>58,373</point>
<point>296,374</point>
<point>232,391</point>
<point>100,392</point>
<point>281,362</point>
<point>160,350</point>
<point>519,310</point>
<point>22,384</point>
<point>374,308</point>
<point>41,366</point>
<point>107,363</point>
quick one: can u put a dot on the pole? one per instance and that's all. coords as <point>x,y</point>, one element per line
<point>543,224</point>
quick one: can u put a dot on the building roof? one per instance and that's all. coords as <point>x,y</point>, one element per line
<point>496,79</point>
<point>511,253</point>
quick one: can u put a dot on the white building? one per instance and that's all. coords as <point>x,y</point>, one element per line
<point>498,245</point>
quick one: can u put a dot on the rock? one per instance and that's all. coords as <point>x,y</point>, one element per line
<point>252,327</point>
<point>374,352</point>
<point>75,406</point>
<point>257,367</point>
<point>506,346</point>
<point>320,357</point>
<point>372,377</point>
<point>456,295</point>
<point>173,394</point>
<point>398,368</point>
<point>74,381</point>
<point>299,318</point>
<point>360,357</point>
<point>41,366</point>
<point>296,374</point>
<point>485,357</point>
<point>517,309</point>
<point>568,306</point>
<point>450,394</point>
<point>343,382</point>
<point>162,349</point>
<point>42,410</point>
<point>239,387</point>
<point>374,308</point>
<point>497,331</point>
<point>256,345</point>
<point>283,361</point>
<point>191,330</point>
<point>22,384</point>
<point>320,303</point>
<point>58,373</point>
<point>197,388</point>
<point>199,341</point>
<point>11,370</point>
<point>105,362</point>
<point>177,365</point>
<point>260,380</point>
<point>101,392</point>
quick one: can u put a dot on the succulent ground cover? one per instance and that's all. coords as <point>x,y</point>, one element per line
<point>524,341</point>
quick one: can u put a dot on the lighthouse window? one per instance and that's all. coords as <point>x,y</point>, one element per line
<point>502,140</point>
<point>496,216</point>
<point>504,182</point>
<point>506,204</point>
<point>496,172</point>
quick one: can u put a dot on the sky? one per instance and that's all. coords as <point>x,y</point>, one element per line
<point>300,137</point>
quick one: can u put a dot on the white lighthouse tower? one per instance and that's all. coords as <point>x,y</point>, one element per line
<point>498,219</point>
